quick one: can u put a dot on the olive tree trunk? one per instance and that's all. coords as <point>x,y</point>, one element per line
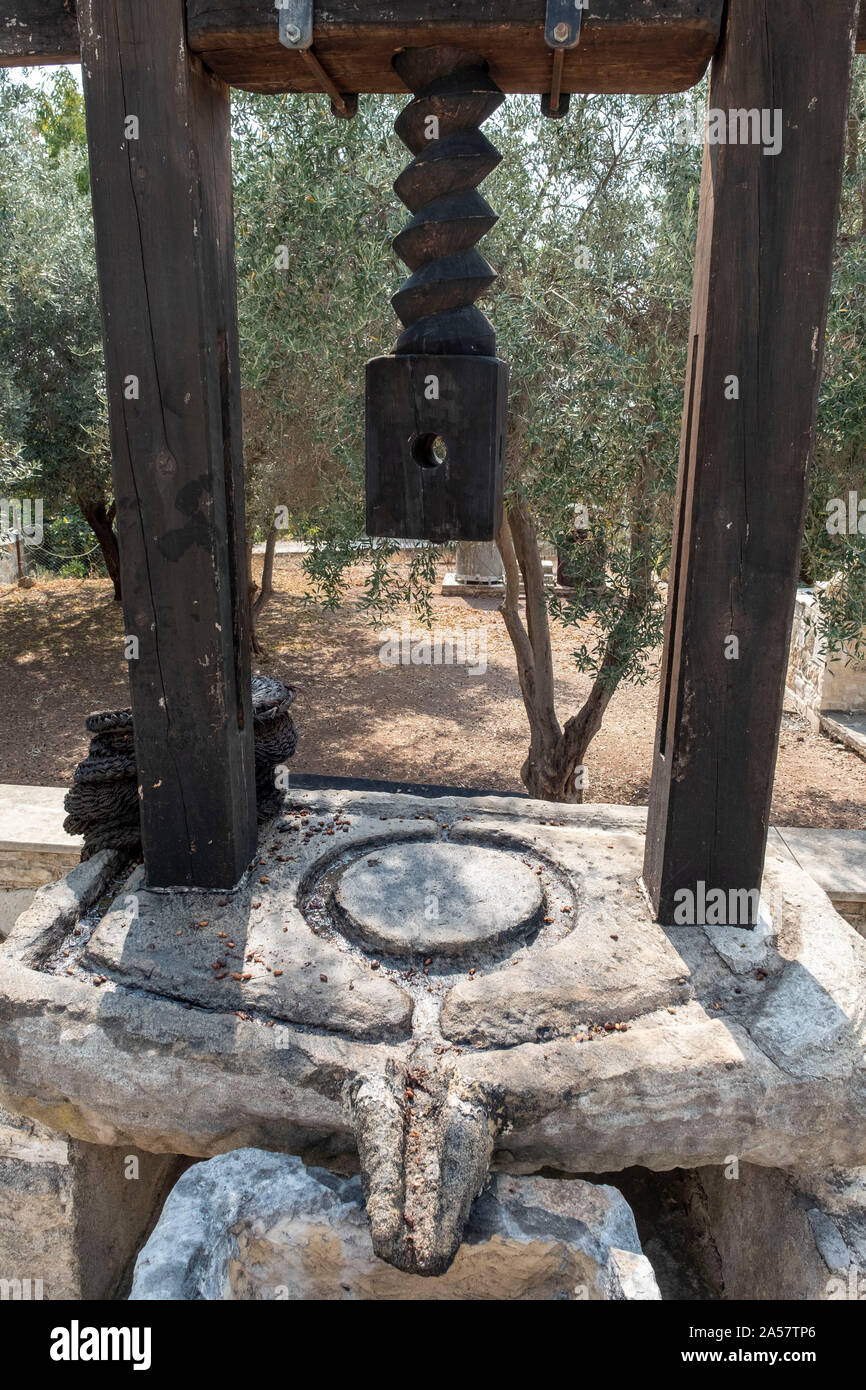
<point>261,594</point>
<point>554,769</point>
<point>100,518</point>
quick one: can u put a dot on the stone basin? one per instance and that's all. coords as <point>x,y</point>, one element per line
<point>537,1019</point>
<point>418,902</point>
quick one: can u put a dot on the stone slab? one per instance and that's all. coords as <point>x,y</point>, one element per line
<point>31,818</point>
<point>73,1216</point>
<point>240,957</point>
<point>835,859</point>
<point>421,901</point>
<point>34,847</point>
<point>452,587</point>
<point>608,1042</point>
<point>260,1226</point>
<point>777,847</point>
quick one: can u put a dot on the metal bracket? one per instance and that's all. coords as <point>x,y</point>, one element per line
<point>296,23</point>
<point>296,32</point>
<point>562,27</point>
<point>562,23</point>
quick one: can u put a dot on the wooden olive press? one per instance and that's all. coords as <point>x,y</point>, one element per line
<point>437,404</point>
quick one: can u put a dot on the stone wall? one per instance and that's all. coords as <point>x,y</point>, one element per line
<point>73,1216</point>
<point>22,872</point>
<point>816,684</point>
<point>32,868</point>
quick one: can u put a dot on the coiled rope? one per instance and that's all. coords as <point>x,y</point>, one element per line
<point>102,804</point>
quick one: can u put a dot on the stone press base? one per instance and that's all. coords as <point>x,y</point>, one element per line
<point>435,990</point>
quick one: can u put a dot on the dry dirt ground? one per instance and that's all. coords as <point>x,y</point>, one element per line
<point>61,658</point>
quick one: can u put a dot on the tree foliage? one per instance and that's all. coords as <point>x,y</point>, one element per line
<point>595,252</point>
<point>837,562</point>
<point>52,406</point>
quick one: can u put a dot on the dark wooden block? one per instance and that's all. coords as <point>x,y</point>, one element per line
<point>762,278</point>
<point>410,493</point>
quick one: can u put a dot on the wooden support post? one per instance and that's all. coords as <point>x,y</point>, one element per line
<point>762,278</point>
<point>160,160</point>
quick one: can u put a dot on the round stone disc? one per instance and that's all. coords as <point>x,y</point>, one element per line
<point>419,899</point>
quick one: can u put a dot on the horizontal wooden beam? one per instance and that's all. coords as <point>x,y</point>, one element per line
<point>626,45</point>
<point>38,31</point>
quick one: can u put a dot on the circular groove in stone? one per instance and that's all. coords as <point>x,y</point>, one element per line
<point>418,899</point>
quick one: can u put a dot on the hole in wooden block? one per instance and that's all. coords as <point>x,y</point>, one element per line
<point>429,450</point>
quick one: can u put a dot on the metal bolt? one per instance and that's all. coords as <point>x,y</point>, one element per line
<point>561,33</point>
<point>293,33</point>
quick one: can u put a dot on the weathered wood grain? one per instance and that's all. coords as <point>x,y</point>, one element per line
<point>162,205</point>
<point>668,46</point>
<point>628,45</point>
<point>409,493</point>
<point>762,278</point>
<point>38,31</point>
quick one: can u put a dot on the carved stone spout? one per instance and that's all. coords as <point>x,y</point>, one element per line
<point>425,1140</point>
